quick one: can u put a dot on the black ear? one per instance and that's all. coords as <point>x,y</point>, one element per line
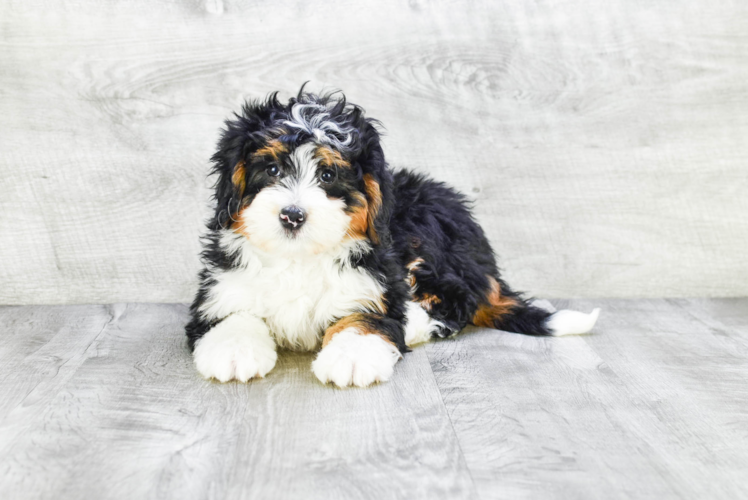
<point>241,136</point>
<point>378,185</point>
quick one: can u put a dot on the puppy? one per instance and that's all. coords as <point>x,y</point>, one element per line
<point>315,242</point>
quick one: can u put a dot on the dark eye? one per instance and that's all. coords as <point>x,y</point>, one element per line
<point>327,176</point>
<point>273,171</point>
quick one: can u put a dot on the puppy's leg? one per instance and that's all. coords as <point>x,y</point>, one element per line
<point>357,350</point>
<point>420,327</point>
<point>239,347</point>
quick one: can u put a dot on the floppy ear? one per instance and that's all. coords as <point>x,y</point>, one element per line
<point>241,136</point>
<point>378,187</point>
<point>228,166</point>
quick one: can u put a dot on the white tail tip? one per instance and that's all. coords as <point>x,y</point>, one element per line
<point>566,322</point>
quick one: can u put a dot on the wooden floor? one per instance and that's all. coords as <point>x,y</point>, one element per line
<point>103,402</point>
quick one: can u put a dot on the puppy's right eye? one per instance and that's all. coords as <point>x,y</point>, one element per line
<point>273,171</point>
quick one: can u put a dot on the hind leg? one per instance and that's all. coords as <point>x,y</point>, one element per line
<point>438,307</point>
<point>422,326</point>
<point>419,327</point>
<point>443,303</point>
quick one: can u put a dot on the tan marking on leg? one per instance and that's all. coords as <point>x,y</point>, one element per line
<point>494,307</point>
<point>355,320</point>
<point>427,301</point>
<point>414,264</point>
<point>412,267</point>
<point>377,305</point>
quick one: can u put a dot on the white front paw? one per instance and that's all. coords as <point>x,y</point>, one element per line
<point>239,347</point>
<point>354,359</point>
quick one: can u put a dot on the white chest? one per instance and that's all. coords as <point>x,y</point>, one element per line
<point>298,299</point>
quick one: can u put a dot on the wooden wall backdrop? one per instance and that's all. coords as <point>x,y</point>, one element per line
<point>605,144</point>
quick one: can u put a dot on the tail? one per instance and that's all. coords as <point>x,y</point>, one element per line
<point>530,320</point>
<point>567,322</point>
<point>506,310</point>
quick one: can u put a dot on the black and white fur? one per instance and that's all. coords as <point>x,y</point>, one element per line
<point>315,241</point>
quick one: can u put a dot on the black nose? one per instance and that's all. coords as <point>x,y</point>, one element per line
<point>292,217</point>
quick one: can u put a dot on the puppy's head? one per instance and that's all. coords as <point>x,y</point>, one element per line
<point>302,177</point>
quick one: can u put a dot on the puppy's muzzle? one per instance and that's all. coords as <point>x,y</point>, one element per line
<point>292,217</point>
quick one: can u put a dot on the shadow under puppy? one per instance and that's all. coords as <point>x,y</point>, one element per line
<point>316,242</point>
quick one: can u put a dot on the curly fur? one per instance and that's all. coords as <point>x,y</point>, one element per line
<point>379,254</point>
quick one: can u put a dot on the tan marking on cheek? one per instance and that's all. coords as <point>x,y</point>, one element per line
<point>237,223</point>
<point>359,224</point>
<point>273,149</point>
<point>329,157</point>
<point>494,307</point>
<point>374,196</point>
<point>238,178</point>
<point>355,320</point>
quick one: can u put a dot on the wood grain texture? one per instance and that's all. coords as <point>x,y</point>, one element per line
<point>604,147</point>
<point>106,404</point>
<point>651,406</point>
<point>103,402</point>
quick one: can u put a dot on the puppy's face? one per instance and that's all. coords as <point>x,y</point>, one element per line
<point>302,198</point>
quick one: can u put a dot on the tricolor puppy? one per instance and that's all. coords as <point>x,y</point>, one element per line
<point>316,244</point>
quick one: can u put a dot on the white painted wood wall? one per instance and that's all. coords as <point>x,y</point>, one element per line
<point>605,143</point>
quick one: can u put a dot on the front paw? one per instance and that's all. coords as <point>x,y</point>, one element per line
<point>237,348</point>
<point>354,359</point>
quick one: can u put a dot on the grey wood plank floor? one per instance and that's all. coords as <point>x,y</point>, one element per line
<point>103,402</point>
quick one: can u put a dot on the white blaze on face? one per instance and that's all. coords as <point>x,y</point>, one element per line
<point>326,221</point>
<point>315,119</point>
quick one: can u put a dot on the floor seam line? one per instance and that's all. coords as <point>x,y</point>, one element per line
<point>451,423</point>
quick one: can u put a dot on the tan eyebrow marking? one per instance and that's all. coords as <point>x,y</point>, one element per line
<point>329,157</point>
<point>274,149</point>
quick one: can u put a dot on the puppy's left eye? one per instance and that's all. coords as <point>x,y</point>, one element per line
<point>272,171</point>
<point>327,176</point>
